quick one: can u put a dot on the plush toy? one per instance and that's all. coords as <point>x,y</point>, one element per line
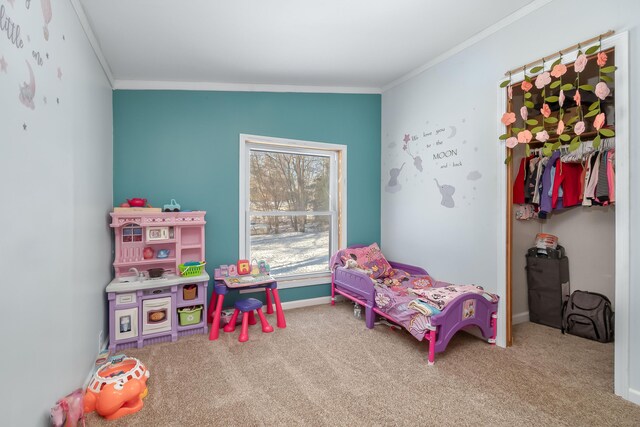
<point>68,410</point>
<point>350,263</point>
<point>353,264</point>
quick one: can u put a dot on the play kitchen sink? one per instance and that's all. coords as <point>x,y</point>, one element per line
<point>150,291</point>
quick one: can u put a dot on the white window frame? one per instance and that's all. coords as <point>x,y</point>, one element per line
<point>338,196</point>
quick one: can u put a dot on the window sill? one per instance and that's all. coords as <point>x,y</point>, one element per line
<point>297,283</point>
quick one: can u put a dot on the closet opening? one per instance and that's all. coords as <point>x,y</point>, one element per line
<point>567,230</point>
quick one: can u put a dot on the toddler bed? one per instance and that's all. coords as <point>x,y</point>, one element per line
<point>406,295</point>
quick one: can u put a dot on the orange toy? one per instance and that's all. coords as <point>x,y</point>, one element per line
<point>244,267</point>
<point>117,388</point>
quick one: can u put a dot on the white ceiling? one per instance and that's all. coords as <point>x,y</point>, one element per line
<point>331,43</point>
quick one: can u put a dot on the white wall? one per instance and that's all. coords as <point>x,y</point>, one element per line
<point>56,180</point>
<point>459,244</point>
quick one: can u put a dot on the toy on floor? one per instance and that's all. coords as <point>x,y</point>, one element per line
<point>117,388</point>
<point>68,410</point>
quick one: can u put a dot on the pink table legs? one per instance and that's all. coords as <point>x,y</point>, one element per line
<point>215,326</point>
<point>279,314</point>
<point>269,304</point>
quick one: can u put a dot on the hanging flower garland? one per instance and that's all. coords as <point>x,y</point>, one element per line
<point>576,124</point>
<point>601,91</point>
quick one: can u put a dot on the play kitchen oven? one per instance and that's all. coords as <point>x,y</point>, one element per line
<point>156,315</point>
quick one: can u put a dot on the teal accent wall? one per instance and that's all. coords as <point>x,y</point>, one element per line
<point>185,145</point>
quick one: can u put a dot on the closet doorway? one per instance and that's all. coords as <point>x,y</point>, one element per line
<point>612,235</point>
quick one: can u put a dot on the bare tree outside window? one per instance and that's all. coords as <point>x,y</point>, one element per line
<point>290,211</point>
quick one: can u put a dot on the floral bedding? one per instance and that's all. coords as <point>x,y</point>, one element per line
<point>409,299</point>
<point>412,302</point>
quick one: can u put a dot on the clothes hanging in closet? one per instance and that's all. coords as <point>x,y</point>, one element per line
<point>545,184</point>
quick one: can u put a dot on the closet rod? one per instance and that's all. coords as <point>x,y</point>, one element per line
<point>561,52</point>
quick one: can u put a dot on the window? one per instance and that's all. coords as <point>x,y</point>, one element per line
<point>131,233</point>
<point>292,205</point>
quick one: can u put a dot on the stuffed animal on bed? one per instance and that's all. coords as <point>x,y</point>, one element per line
<point>353,264</point>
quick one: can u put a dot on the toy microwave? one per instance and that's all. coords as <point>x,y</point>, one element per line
<point>159,233</point>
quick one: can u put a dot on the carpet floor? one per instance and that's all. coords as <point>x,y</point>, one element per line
<point>327,368</point>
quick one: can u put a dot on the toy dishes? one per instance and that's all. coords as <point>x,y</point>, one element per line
<point>163,253</point>
<point>154,273</point>
<point>137,202</point>
<point>148,252</point>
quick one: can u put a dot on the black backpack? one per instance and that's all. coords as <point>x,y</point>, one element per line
<point>588,315</point>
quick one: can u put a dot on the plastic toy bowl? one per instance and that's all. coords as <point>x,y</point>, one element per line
<point>163,253</point>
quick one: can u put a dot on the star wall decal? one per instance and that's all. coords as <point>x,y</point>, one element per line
<point>59,73</point>
<point>407,138</point>
<point>3,65</point>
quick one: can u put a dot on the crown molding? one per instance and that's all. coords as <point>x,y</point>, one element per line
<point>237,87</point>
<point>504,22</point>
<point>93,41</point>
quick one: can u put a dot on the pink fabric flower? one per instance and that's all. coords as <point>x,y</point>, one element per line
<point>543,79</point>
<point>602,59</point>
<point>561,98</point>
<point>579,128</point>
<point>524,113</point>
<point>581,63</point>
<point>512,142</point>
<point>526,86</point>
<point>577,97</point>
<point>508,118</point>
<point>598,122</point>
<point>545,110</point>
<point>560,129</point>
<point>559,70</point>
<point>602,90</point>
<point>542,136</point>
<point>524,137</point>
<point>510,92</point>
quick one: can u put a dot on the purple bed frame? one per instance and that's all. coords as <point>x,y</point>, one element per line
<point>357,286</point>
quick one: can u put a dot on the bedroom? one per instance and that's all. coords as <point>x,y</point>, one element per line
<point>129,103</point>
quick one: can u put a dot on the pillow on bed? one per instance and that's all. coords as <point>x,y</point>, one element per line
<point>370,258</point>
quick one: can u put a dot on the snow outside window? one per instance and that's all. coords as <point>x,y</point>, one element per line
<point>291,204</point>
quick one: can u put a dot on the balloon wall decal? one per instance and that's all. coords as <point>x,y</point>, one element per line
<point>46,14</point>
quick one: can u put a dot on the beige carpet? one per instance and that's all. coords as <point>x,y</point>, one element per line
<point>327,368</point>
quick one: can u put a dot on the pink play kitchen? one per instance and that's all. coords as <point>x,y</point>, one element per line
<point>160,286</point>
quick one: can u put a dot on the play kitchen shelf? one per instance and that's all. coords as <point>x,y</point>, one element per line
<point>141,237</point>
<point>144,309</point>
